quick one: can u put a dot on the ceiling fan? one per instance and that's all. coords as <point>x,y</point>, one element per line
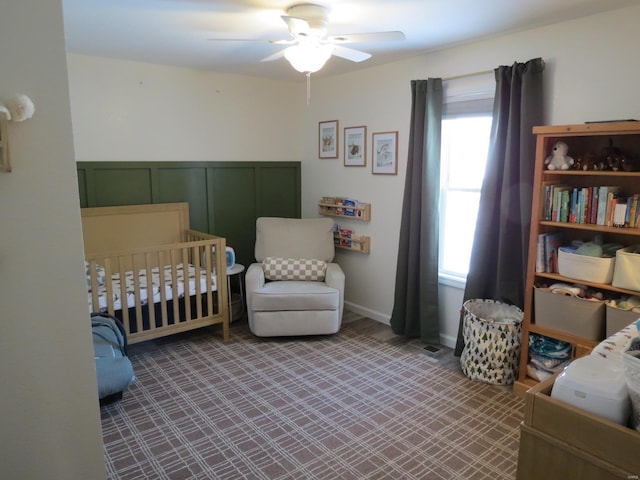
<point>309,47</point>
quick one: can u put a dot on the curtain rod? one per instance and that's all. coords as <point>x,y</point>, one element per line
<point>465,75</point>
<point>474,74</point>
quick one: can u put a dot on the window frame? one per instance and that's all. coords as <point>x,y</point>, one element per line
<point>470,96</point>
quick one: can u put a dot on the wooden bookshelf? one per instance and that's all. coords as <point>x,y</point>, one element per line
<point>588,139</point>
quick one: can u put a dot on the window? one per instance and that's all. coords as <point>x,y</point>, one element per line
<point>465,142</point>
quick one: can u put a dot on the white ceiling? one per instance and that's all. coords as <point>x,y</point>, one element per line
<point>177,32</point>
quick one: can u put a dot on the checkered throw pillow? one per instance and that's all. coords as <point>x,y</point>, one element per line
<point>294,269</point>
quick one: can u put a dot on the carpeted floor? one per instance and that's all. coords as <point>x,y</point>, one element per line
<point>362,404</point>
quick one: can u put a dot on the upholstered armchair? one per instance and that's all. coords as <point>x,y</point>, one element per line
<point>294,288</point>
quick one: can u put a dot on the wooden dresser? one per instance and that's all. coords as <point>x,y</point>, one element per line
<point>559,441</point>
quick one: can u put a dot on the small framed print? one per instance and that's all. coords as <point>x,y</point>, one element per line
<point>355,146</point>
<point>328,139</point>
<point>385,153</point>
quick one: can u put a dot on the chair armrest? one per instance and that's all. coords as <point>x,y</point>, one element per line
<point>334,278</point>
<point>254,278</point>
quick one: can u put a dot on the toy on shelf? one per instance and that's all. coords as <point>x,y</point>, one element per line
<point>559,160</point>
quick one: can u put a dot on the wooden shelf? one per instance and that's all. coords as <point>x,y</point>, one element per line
<point>355,243</point>
<point>582,140</point>
<point>358,211</point>
<point>593,228</point>
<point>351,210</point>
<point>565,337</point>
<point>600,286</point>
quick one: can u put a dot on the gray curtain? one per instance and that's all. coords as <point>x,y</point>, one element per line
<point>415,308</point>
<point>498,264</point>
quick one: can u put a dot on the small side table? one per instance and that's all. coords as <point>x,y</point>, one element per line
<point>237,269</point>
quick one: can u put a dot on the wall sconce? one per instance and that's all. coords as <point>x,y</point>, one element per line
<point>18,109</point>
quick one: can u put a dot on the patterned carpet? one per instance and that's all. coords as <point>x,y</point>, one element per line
<point>348,406</point>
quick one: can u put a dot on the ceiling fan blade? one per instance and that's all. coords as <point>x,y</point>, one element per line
<point>283,42</point>
<point>297,26</point>
<point>366,37</point>
<point>273,57</point>
<point>350,54</point>
<point>240,40</point>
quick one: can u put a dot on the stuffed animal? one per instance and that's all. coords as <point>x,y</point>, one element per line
<point>586,162</point>
<point>559,160</point>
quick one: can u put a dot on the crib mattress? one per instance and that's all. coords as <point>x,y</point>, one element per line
<point>161,279</point>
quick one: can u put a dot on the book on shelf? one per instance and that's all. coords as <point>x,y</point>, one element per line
<point>547,192</point>
<point>594,205</point>
<point>619,214</point>
<point>564,206</point>
<point>554,201</point>
<point>547,251</point>
<point>595,195</point>
<point>603,199</point>
<point>540,253</point>
<point>553,241</point>
<point>614,198</point>
<point>586,204</point>
<point>633,211</point>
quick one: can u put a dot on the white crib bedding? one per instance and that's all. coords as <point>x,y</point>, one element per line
<point>157,284</point>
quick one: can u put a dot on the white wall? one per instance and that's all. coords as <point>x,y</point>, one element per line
<point>50,424</point>
<point>129,111</point>
<point>591,74</point>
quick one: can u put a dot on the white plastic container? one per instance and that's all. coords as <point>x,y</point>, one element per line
<point>584,267</point>
<point>596,385</point>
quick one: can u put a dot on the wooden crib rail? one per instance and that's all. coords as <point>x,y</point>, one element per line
<point>144,320</point>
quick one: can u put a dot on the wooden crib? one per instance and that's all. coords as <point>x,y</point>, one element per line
<point>148,268</point>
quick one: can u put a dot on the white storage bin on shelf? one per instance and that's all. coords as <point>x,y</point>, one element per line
<point>584,267</point>
<point>627,271</point>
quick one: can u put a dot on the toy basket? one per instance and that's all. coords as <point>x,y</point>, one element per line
<point>631,362</point>
<point>491,332</point>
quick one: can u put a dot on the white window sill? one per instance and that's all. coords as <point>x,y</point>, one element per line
<point>452,280</point>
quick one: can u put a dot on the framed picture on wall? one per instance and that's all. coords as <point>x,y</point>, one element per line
<point>385,153</point>
<point>328,139</point>
<point>355,146</point>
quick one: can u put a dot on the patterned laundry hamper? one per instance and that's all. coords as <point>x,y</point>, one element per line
<point>491,333</point>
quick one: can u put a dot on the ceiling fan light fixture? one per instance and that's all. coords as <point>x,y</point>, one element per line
<point>308,58</point>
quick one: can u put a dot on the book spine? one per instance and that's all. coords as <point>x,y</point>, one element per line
<point>540,253</point>
<point>619,214</point>
<point>564,206</point>
<point>627,212</point>
<point>602,204</point>
<point>573,205</point>
<point>594,205</point>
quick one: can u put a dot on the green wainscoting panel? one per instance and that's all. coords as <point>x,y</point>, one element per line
<point>225,198</point>
<point>121,186</point>
<point>274,195</point>
<point>234,209</point>
<point>82,188</point>
<point>184,185</point>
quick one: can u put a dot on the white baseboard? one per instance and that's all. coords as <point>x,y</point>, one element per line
<point>446,340</point>
<point>366,312</point>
